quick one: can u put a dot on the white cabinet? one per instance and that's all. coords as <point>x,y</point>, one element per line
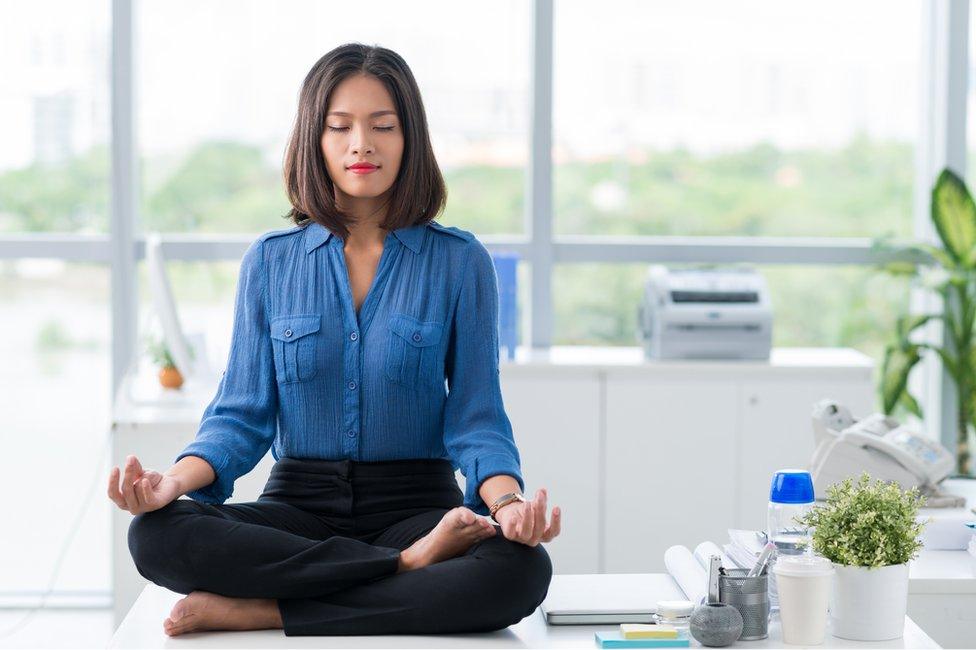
<point>556,423</point>
<point>670,449</point>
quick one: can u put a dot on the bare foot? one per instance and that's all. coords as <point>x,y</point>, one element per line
<point>202,610</point>
<point>455,533</point>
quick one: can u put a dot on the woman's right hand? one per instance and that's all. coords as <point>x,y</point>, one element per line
<point>141,490</point>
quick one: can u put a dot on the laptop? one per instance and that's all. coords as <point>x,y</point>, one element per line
<point>607,598</point>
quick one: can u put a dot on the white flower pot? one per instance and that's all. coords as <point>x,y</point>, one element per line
<point>869,604</point>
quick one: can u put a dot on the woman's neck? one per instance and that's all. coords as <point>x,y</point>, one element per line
<point>366,215</point>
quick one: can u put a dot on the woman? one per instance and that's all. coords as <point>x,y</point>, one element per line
<point>345,329</point>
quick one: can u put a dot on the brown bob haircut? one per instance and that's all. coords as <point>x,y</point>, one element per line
<point>418,194</point>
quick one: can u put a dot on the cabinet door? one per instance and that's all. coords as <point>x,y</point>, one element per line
<point>556,423</point>
<point>668,466</point>
<point>777,432</point>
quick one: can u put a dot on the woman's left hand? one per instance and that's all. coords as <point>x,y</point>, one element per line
<point>526,522</point>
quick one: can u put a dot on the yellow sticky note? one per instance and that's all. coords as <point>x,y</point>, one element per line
<point>643,631</point>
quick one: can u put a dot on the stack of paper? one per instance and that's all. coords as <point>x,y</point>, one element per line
<point>745,546</point>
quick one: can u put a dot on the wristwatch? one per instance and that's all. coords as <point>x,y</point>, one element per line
<point>504,500</point>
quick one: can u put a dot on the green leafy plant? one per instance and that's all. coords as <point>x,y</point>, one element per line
<point>866,524</point>
<point>160,354</point>
<point>950,271</point>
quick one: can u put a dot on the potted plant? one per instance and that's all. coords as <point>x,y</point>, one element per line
<point>169,376</point>
<point>950,271</point>
<point>869,531</point>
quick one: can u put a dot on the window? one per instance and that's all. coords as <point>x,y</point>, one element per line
<point>54,116</point>
<point>56,398</point>
<point>54,337</point>
<point>216,105</point>
<point>745,118</point>
<point>824,306</point>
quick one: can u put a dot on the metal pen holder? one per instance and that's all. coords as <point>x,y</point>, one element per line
<point>751,597</point>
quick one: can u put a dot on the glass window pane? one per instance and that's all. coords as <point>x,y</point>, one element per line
<point>744,118</point>
<point>56,378</point>
<point>827,306</point>
<point>216,105</point>
<point>54,116</point>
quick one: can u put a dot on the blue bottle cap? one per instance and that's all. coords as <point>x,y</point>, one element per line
<point>791,486</point>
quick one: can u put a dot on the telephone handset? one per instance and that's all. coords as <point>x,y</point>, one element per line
<point>881,446</point>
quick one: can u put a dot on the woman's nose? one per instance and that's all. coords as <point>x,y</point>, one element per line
<point>361,143</point>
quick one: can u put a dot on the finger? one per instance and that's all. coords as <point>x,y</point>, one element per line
<point>146,491</point>
<point>540,515</point>
<point>153,477</point>
<point>528,521</point>
<point>128,492</point>
<point>554,525</point>
<point>137,467</point>
<point>113,488</point>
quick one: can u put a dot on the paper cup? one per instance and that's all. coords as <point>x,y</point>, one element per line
<point>803,584</point>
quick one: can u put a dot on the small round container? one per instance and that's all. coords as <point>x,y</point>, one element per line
<point>676,613</point>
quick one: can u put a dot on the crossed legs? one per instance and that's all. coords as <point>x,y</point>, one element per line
<point>268,564</point>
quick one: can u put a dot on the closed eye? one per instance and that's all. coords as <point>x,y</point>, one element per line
<point>346,128</point>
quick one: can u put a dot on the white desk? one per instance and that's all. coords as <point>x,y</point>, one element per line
<point>941,585</point>
<point>143,628</point>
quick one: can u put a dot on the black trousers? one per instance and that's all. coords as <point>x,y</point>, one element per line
<point>324,539</point>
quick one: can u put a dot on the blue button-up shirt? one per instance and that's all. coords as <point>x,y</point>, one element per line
<point>310,377</point>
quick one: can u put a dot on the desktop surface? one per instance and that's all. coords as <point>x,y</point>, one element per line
<point>143,628</point>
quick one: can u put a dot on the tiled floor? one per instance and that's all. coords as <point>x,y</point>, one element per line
<point>57,628</point>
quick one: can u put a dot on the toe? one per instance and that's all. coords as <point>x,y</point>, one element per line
<point>466,517</point>
<point>178,610</point>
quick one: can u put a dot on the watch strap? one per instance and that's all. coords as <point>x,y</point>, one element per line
<point>504,500</point>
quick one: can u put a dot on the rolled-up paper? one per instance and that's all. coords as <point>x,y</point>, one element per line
<point>684,568</point>
<point>707,549</point>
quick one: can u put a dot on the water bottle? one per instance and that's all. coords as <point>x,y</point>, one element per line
<point>790,497</point>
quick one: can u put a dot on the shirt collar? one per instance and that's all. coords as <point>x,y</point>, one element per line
<point>411,236</point>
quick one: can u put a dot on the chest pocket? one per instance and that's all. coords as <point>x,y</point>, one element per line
<point>413,356</point>
<point>294,340</point>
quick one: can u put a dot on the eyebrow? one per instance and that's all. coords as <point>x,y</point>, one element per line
<point>376,114</point>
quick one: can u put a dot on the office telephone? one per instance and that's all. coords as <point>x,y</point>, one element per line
<point>881,446</point>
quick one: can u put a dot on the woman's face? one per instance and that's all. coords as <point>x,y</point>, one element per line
<point>361,126</point>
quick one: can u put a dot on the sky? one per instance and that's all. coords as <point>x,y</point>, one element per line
<point>708,75</point>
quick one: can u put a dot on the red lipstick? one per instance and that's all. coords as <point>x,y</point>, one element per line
<point>363,168</point>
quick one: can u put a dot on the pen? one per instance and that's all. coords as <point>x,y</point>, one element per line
<point>761,560</point>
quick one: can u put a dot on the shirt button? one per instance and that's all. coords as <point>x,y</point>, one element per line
<point>352,385</point>
<point>351,433</point>
<point>287,333</point>
<point>416,336</point>
<point>354,336</point>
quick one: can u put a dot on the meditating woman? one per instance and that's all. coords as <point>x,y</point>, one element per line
<point>346,327</point>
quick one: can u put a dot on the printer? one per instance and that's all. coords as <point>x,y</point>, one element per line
<point>705,313</point>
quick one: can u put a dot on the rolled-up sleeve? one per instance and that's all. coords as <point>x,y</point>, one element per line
<point>239,425</point>
<point>477,431</point>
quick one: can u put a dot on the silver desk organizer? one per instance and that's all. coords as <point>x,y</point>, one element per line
<point>751,597</point>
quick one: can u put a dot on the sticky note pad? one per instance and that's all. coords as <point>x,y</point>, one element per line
<point>644,631</point>
<point>614,640</point>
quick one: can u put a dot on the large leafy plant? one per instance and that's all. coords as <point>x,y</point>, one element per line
<point>866,524</point>
<point>949,270</point>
